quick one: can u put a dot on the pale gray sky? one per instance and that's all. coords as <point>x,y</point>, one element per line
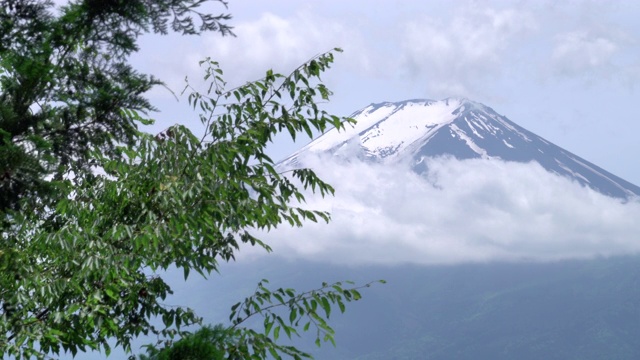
<point>567,71</point>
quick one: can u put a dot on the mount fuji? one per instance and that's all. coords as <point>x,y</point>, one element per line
<point>495,243</point>
<point>413,130</point>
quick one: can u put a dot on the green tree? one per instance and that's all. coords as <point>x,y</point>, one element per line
<point>93,210</point>
<point>65,83</point>
<point>303,310</point>
<point>208,343</point>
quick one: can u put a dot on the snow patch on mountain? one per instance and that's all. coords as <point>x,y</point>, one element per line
<point>389,128</point>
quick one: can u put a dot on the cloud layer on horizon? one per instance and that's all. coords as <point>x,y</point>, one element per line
<point>464,211</point>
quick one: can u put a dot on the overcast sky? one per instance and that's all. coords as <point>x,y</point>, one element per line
<point>568,71</point>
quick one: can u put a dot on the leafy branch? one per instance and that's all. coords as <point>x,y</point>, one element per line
<point>313,305</point>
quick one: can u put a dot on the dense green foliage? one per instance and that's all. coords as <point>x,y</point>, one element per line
<point>93,211</point>
<point>65,83</point>
<point>205,344</point>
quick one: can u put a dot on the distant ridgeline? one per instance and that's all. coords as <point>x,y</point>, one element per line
<point>580,309</point>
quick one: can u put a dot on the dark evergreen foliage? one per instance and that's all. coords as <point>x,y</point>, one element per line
<point>65,81</point>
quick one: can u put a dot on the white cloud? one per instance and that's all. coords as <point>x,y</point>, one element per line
<point>271,41</point>
<point>283,43</point>
<point>467,211</point>
<point>456,55</point>
<point>579,53</point>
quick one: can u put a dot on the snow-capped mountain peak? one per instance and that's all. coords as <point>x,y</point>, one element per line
<point>415,129</point>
